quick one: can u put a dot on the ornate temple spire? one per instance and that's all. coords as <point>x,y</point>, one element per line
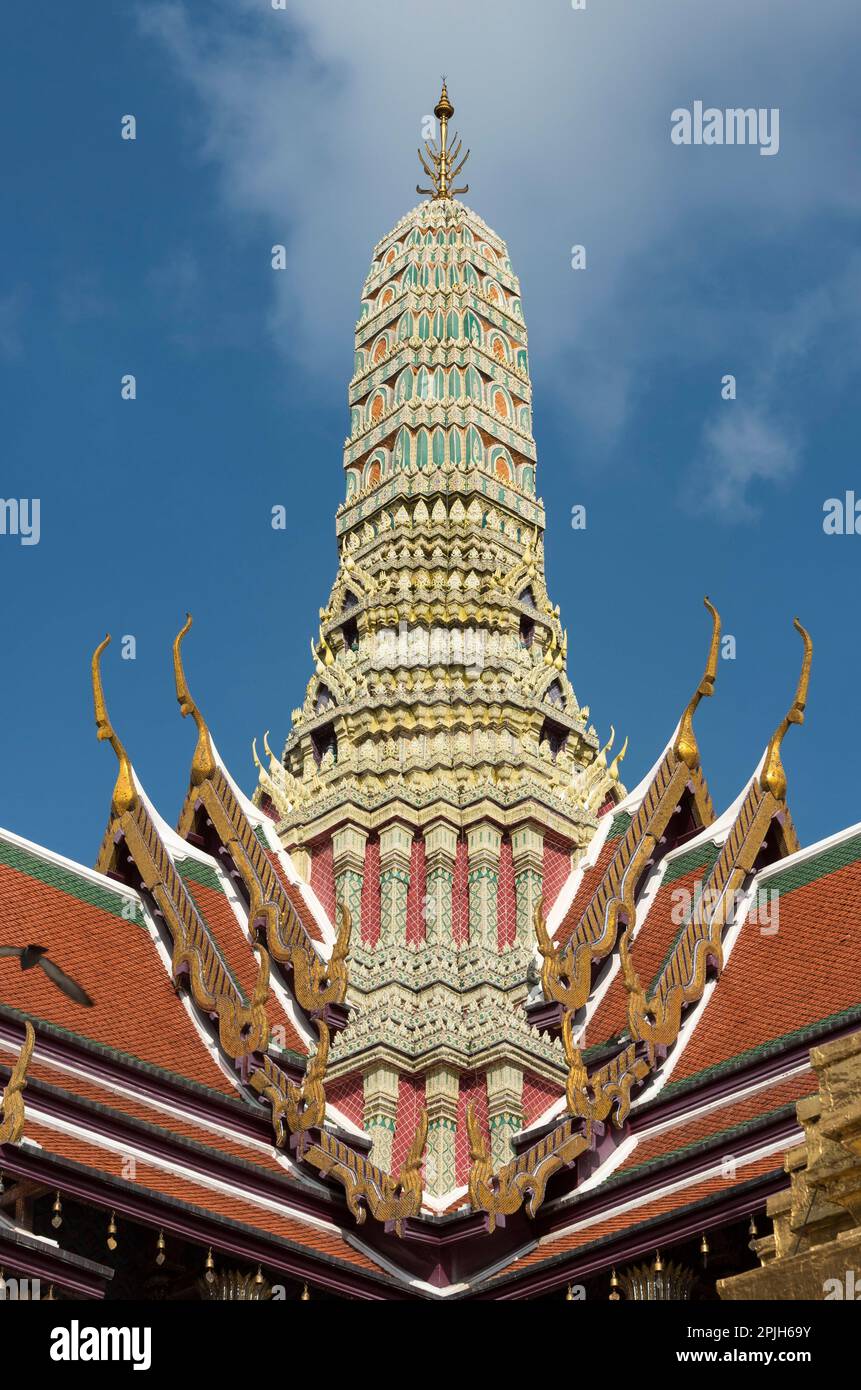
<point>444,167</point>
<point>439,666</point>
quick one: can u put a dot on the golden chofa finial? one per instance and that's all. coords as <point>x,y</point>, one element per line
<point>686,743</point>
<point>203,762</point>
<point>773,776</point>
<point>125,793</point>
<point>445,164</point>
<point>613,771</point>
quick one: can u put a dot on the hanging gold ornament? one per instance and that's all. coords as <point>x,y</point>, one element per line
<point>569,1294</point>
<point>50,1296</point>
<point>159,1249</point>
<point>615,1284</point>
<point>305,1297</point>
<point>209,1267</point>
<point>112,1232</point>
<point>258,1278</point>
<point>704,1249</point>
<point>659,1264</point>
<point>57,1209</point>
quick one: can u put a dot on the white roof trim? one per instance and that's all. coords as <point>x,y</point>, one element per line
<point>81,870</point>
<point>644,1198</point>
<point>809,852</point>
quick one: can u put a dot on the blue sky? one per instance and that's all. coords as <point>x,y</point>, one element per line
<point>256,126</point>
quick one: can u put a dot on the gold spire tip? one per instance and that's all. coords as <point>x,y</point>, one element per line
<point>773,774</point>
<point>686,743</point>
<point>203,762</point>
<point>440,160</point>
<point>125,794</point>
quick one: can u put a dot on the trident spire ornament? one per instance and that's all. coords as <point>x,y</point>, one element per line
<point>444,167</point>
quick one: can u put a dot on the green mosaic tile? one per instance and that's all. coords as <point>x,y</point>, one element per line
<point>828,862</point>
<point>58,876</point>
<point>193,871</point>
<point>619,825</point>
<point>700,858</point>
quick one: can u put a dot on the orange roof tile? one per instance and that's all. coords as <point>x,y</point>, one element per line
<point>778,983</point>
<point>588,884</point>
<point>648,953</point>
<point>684,1134</point>
<point>136,1010</point>
<point>139,1108</point>
<point>229,1205</point>
<point>238,955</point>
<point>661,1205</point>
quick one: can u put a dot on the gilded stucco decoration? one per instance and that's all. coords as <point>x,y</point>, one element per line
<point>316,982</point>
<point>390,1199</point>
<point>243,1027</point>
<point>525,1178</point>
<point>12,1113</point>
<point>568,966</point>
<point>300,1107</point>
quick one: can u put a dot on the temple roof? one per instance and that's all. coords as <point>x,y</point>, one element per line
<point>104,1082</point>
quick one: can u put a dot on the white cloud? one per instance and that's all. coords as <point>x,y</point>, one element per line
<point>310,116</point>
<point>760,439</point>
<point>741,448</point>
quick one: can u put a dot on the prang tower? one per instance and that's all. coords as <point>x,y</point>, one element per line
<point>440,776</point>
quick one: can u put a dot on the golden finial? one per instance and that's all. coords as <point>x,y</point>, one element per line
<point>686,743</point>
<point>614,766</point>
<point>125,794</point>
<point>444,167</point>
<point>773,776</point>
<point>203,762</point>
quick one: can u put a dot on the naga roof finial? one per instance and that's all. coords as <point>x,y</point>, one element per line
<point>11,1099</point>
<point>445,164</point>
<point>773,776</point>
<point>613,770</point>
<point>125,793</point>
<point>203,762</point>
<point>686,743</point>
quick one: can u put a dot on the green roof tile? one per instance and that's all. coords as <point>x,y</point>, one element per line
<point>700,857</point>
<point>64,878</point>
<point>619,825</point>
<point>828,861</point>
<point>810,1032</point>
<point>193,871</point>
